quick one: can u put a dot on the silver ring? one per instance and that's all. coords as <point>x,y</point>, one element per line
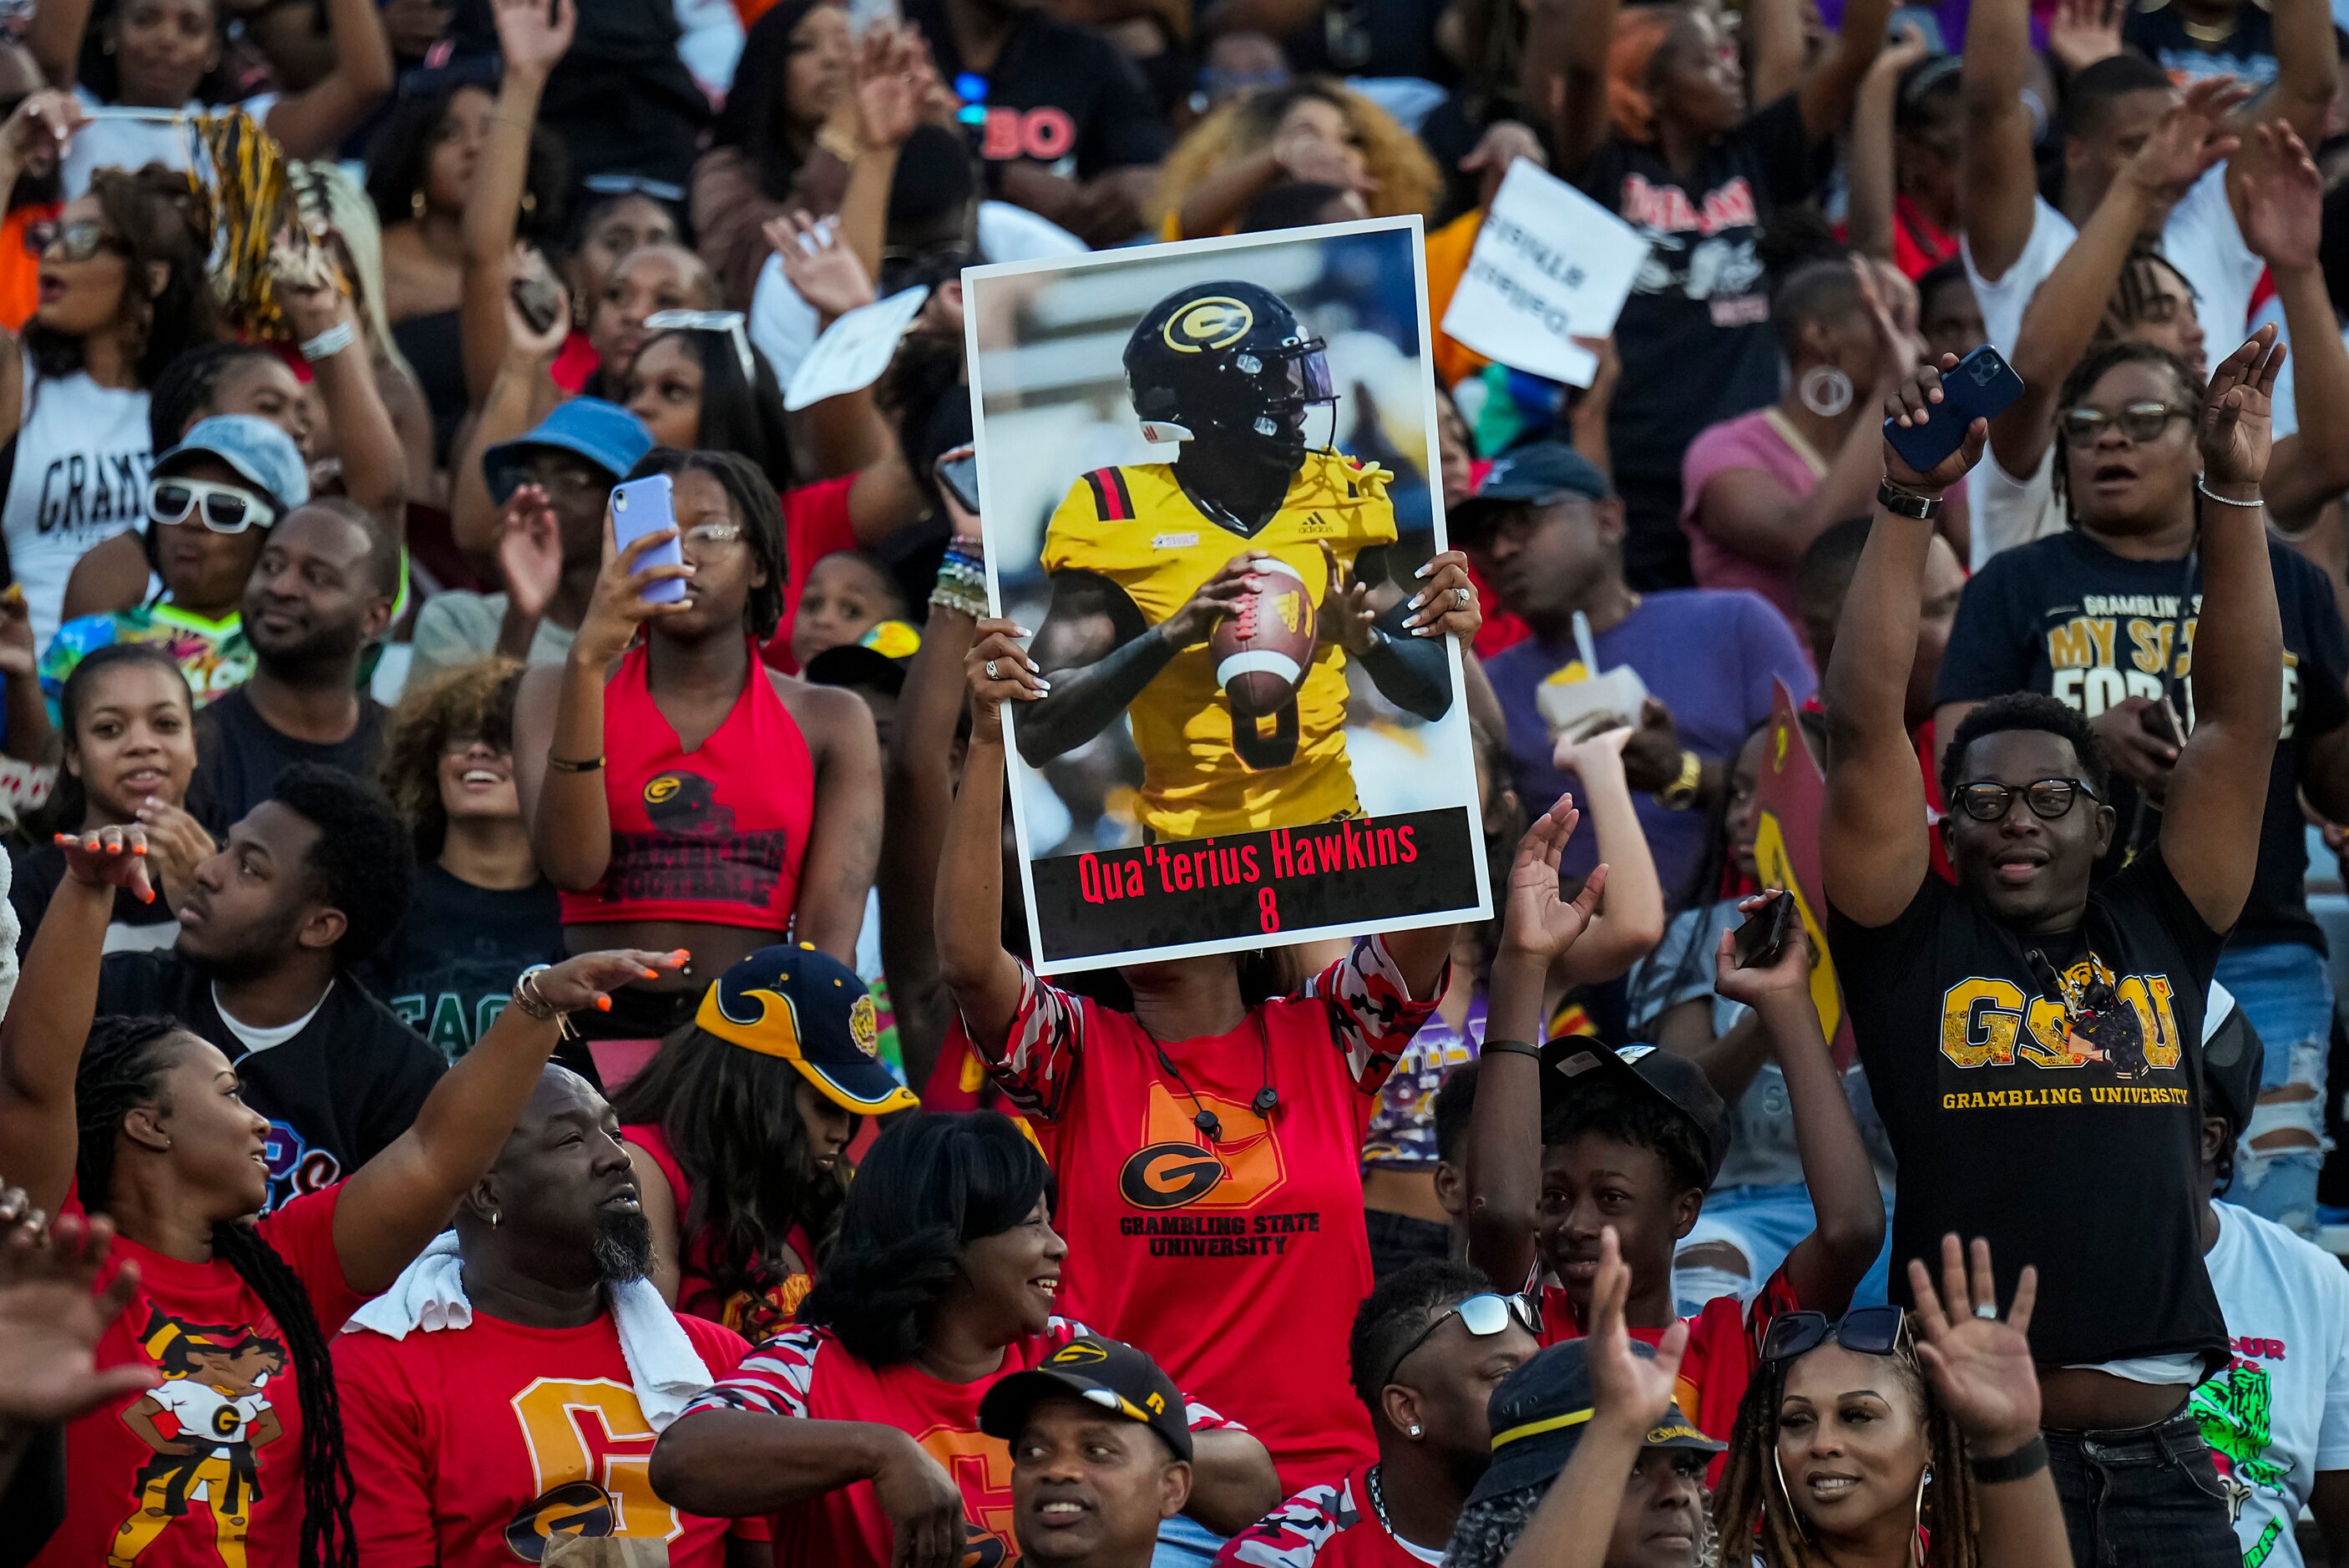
<point>1987,1312</point>
<point>1460,597</point>
<point>990,671</point>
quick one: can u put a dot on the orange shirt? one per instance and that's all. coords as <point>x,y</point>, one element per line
<point>20,270</point>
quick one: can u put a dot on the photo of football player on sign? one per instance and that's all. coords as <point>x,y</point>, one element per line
<point>1223,534</point>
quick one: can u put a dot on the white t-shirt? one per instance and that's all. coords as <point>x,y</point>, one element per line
<point>2278,1412</point>
<point>259,1037</point>
<point>783,325</point>
<point>2008,511</point>
<point>79,478</point>
<point>135,143</point>
<point>2200,240</point>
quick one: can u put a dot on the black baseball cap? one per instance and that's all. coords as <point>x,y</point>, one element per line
<point>876,661</point>
<point>1105,1372</point>
<point>1575,1063</point>
<point>2232,1057</point>
<point>1536,474</point>
<point>1540,1411</point>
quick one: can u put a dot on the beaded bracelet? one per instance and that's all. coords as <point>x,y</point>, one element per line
<point>961,585</point>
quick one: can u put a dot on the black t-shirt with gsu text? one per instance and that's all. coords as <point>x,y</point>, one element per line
<point>335,1094</point>
<point>1694,333</point>
<point>2075,1148</point>
<point>2065,616</point>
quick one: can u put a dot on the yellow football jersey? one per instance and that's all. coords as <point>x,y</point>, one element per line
<point>1135,527</point>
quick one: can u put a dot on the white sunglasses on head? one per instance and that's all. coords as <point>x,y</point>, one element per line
<point>729,322</point>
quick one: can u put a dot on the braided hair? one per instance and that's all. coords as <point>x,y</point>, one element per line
<point>122,1067</point>
<point>1751,1502</point>
<point>2091,370</point>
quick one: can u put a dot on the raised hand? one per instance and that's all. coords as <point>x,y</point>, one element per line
<point>825,271</point>
<point>1788,973</point>
<point>1911,404</point>
<point>1980,1365</point>
<point>2190,139</point>
<point>532,35</point>
<point>309,286</point>
<point>1000,670</point>
<point>589,979</point>
<point>1504,142</point>
<point>2082,32</point>
<point>894,82</point>
<point>2235,436</point>
<point>1651,753</point>
<point>528,273</point>
<point>1446,605</point>
<point>619,605</point>
<point>38,132</point>
<point>530,550</point>
<point>51,1320</point>
<point>1312,159</point>
<point>109,857</point>
<point>2283,199</point>
<point>1537,920</point>
<point>1628,1391</point>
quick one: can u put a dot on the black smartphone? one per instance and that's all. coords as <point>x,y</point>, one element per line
<point>540,300</point>
<point>1980,387</point>
<point>960,476</point>
<point>1763,937</point>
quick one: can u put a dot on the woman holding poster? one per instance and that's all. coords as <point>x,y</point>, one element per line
<point>1206,1137</point>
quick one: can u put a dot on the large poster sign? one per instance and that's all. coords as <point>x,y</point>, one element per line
<point>1203,467</point>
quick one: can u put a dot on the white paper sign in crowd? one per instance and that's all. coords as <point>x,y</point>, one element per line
<point>1551,265</point>
<point>853,350</point>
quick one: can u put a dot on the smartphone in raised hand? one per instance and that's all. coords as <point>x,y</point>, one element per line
<point>1763,935</point>
<point>1980,387</point>
<point>641,507</point>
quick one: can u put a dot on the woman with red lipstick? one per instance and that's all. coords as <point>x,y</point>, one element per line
<point>129,750</point>
<point>858,1430</point>
<point>738,1129</point>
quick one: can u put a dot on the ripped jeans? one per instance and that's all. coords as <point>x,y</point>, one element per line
<point>2284,992</point>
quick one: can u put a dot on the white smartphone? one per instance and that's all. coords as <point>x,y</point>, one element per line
<point>642,507</point>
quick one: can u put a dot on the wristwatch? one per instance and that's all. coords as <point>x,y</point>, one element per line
<point>1681,793</point>
<point>1908,503</point>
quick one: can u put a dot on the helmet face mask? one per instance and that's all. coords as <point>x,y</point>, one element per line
<point>1227,362</point>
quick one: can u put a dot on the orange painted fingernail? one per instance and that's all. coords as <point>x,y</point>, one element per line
<point>146,897</point>
<point>652,974</point>
<point>64,838</point>
<point>137,848</point>
<point>603,1003</point>
<point>681,956</point>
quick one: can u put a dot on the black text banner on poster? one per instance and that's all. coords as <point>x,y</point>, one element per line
<point>1355,873</point>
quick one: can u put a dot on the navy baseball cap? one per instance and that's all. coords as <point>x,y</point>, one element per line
<point>1537,474</point>
<point>1115,1376</point>
<point>605,433</point>
<point>809,1009</point>
<point>262,456</point>
<point>1578,1064</point>
<point>1540,1411</point>
<point>876,660</point>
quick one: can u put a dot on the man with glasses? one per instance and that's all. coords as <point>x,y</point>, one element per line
<point>1430,1344</point>
<point>2033,1041</point>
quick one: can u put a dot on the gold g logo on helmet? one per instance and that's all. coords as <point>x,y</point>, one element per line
<point>660,787</point>
<point>864,1025</point>
<point>1215,322</point>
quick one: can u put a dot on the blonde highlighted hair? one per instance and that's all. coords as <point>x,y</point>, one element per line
<point>1408,179</point>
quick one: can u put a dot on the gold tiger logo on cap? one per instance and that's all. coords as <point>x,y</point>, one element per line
<point>864,1025</point>
<point>1216,322</point>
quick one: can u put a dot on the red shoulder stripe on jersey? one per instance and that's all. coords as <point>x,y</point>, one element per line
<point>1111,498</point>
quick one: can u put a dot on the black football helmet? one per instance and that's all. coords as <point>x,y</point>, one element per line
<point>1229,361</point>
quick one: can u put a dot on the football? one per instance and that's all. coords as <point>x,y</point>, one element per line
<point>1263,649</point>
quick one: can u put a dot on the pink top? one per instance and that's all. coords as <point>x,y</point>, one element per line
<point>1762,441</point>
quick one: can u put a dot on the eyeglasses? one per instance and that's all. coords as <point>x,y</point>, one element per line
<point>1481,1315</point>
<point>2049,799</point>
<point>729,322</point>
<point>711,533</point>
<point>1863,1330</point>
<point>76,242</point>
<point>2140,422</point>
<point>225,508</point>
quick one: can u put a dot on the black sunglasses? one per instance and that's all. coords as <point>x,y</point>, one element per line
<point>1864,1331</point>
<point>1482,1316</point>
<point>2049,799</point>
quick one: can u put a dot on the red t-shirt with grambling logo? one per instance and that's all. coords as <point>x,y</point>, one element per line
<point>807,1373</point>
<point>1237,1260</point>
<point>206,1467</point>
<point>472,1446</point>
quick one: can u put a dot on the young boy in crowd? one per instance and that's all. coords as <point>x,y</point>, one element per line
<point>1569,1140</point>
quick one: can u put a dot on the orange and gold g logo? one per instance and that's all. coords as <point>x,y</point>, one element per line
<point>574,1508</point>
<point>661,787</point>
<point>1216,322</point>
<point>864,1025</point>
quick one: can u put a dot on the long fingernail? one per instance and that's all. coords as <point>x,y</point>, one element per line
<point>137,848</point>
<point>1425,569</point>
<point>1043,685</point>
<point>681,956</point>
<point>64,838</point>
<point>603,1003</point>
<point>652,974</point>
<point>1418,601</point>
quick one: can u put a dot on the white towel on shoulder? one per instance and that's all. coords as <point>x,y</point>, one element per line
<point>666,1371</point>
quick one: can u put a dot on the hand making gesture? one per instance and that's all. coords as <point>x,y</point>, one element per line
<point>1980,1364</point>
